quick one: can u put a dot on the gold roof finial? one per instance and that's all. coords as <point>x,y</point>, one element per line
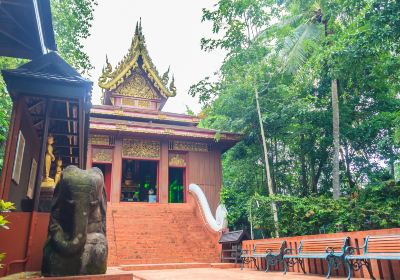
<point>106,72</point>
<point>165,76</point>
<point>172,87</point>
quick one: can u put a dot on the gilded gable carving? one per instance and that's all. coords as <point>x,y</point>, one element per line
<point>137,86</point>
<point>189,146</point>
<point>99,139</point>
<point>136,148</point>
<point>102,155</point>
<point>176,160</point>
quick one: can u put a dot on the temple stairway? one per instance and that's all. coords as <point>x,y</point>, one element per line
<point>142,233</point>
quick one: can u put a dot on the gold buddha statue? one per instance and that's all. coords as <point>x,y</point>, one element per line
<point>48,182</point>
<point>57,177</point>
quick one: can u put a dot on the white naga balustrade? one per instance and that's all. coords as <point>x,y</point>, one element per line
<point>220,221</point>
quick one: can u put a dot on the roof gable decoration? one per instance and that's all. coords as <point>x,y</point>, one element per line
<point>111,79</point>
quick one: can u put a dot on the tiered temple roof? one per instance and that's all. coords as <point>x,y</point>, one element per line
<point>133,96</point>
<point>136,77</point>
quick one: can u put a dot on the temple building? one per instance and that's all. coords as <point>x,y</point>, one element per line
<point>148,155</point>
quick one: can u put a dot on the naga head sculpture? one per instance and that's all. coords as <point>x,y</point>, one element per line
<point>76,242</point>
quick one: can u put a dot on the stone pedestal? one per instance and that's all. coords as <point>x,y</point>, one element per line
<point>46,196</point>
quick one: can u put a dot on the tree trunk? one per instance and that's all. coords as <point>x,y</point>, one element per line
<point>303,167</point>
<point>267,169</point>
<point>336,144</point>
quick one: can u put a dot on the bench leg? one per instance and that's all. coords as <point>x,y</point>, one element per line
<point>368,265</point>
<point>349,268</point>
<point>285,265</point>
<point>255,263</point>
<point>331,262</point>
<point>301,263</point>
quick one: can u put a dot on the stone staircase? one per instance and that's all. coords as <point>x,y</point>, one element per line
<point>142,233</point>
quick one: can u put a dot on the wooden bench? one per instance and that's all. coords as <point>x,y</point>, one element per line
<point>379,247</point>
<point>332,250</point>
<point>272,251</point>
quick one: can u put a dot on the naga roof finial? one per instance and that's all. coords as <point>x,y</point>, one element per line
<point>106,72</point>
<point>172,87</point>
<point>165,76</point>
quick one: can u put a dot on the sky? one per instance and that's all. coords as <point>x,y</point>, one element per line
<point>173,30</point>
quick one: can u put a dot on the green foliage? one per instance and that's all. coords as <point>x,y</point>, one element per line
<point>72,21</point>
<point>291,50</point>
<point>376,206</point>
<point>4,207</point>
<point>5,104</point>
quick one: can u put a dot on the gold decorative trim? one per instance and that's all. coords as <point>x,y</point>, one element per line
<point>99,140</point>
<point>102,155</point>
<point>128,102</point>
<point>176,160</point>
<point>144,103</point>
<point>136,148</point>
<point>189,146</point>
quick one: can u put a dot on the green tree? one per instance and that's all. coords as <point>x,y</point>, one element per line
<point>71,23</point>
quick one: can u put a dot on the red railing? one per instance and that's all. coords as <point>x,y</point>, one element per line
<point>382,269</point>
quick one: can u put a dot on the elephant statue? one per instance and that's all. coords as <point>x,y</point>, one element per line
<point>76,242</point>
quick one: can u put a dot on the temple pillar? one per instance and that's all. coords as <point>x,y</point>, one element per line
<point>89,163</point>
<point>163,173</point>
<point>116,172</point>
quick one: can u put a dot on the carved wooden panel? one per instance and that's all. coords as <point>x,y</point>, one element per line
<point>137,86</point>
<point>189,146</point>
<point>99,139</point>
<point>128,102</point>
<point>137,148</point>
<point>178,160</point>
<point>102,155</point>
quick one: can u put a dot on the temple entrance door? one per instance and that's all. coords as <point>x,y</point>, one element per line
<point>106,169</point>
<point>139,180</point>
<point>176,191</point>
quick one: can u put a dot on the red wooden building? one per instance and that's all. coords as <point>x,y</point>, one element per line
<point>148,155</point>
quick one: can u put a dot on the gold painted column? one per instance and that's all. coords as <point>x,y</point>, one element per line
<point>116,173</point>
<point>163,173</point>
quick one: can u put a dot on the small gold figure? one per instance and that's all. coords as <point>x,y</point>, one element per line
<point>57,177</point>
<point>47,181</point>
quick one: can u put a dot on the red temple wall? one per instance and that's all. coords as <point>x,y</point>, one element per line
<point>16,244</point>
<point>204,169</point>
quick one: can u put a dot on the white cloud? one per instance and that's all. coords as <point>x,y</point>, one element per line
<point>172,29</point>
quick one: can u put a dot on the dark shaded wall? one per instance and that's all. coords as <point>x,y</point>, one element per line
<point>17,192</point>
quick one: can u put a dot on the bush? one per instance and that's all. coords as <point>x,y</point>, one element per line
<point>374,207</point>
<point>4,207</point>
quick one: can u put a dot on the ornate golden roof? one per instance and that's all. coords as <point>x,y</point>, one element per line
<point>110,78</point>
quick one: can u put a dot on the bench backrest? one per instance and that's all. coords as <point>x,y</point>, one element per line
<point>382,244</point>
<point>272,246</point>
<point>320,245</point>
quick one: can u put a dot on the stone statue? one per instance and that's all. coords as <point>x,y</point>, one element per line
<point>76,242</point>
<point>47,181</point>
<point>57,177</point>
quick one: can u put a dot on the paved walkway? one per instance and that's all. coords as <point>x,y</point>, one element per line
<point>219,274</point>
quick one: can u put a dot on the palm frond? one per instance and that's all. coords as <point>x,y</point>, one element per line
<point>294,52</point>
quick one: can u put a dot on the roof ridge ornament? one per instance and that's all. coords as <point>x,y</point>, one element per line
<point>172,87</point>
<point>110,79</point>
<point>165,76</point>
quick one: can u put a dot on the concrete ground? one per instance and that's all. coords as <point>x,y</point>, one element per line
<point>220,274</point>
